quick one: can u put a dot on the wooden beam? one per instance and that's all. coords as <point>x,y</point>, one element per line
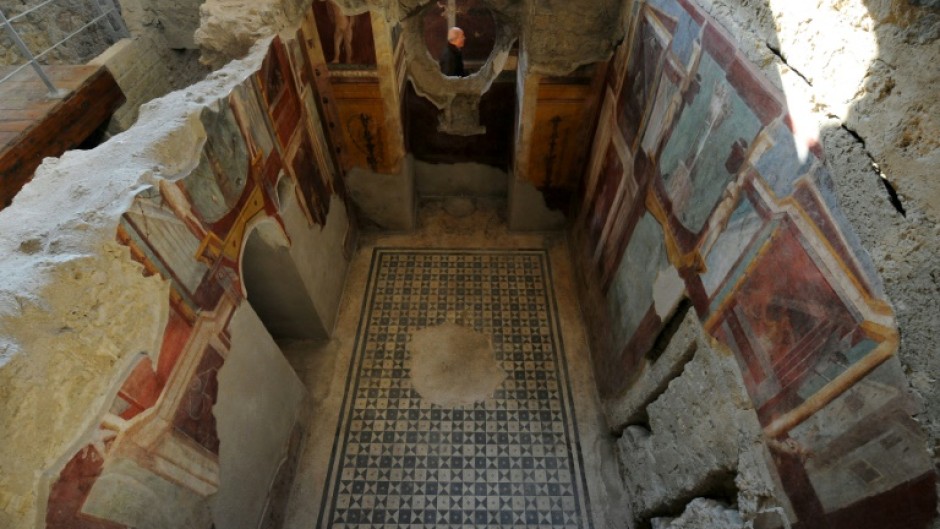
<point>62,127</point>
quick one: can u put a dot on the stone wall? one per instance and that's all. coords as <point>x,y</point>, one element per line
<point>173,22</point>
<point>697,436</point>
<point>46,26</point>
<point>145,71</point>
<point>710,188</point>
<point>123,319</point>
<point>155,58</point>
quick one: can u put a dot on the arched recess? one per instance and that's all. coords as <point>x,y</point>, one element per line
<point>274,286</point>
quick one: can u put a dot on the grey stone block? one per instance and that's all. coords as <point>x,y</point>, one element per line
<point>630,408</point>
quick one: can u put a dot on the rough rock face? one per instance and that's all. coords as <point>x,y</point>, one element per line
<point>165,28</point>
<point>229,28</point>
<point>907,254</point>
<point>174,20</point>
<point>62,349</point>
<point>48,25</point>
<point>703,439</point>
<point>702,512</point>
<point>157,59</point>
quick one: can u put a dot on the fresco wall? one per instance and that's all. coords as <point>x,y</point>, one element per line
<point>350,82</point>
<point>699,192</point>
<point>265,150</point>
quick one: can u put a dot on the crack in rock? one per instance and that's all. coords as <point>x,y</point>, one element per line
<point>876,168</point>
<point>779,54</point>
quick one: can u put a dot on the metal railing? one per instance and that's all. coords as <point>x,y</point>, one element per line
<point>107,10</point>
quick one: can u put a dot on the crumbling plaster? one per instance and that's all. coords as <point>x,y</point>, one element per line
<point>229,28</point>
<point>696,436</point>
<point>75,309</point>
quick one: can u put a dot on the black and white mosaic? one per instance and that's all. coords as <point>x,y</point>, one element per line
<point>509,461</point>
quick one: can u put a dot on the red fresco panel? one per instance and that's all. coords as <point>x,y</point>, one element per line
<point>756,93</point>
<point>716,44</point>
<point>606,190</point>
<point>277,87</point>
<point>315,190</point>
<point>817,211</point>
<point>912,505</point>
<point>194,417</point>
<point>175,337</point>
<point>789,319</point>
<point>70,491</point>
<point>141,389</point>
<point>693,11</point>
<point>641,81</point>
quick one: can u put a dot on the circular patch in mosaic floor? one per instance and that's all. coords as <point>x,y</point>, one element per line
<point>452,365</point>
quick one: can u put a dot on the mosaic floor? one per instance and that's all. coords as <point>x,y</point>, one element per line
<point>512,460</point>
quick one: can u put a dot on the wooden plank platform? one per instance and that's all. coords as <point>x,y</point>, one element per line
<point>35,124</point>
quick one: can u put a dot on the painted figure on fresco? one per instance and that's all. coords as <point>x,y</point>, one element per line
<point>343,28</point>
<point>681,185</point>
<point>451,60</point>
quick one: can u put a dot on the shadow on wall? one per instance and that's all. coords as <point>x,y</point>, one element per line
<point>705,184</point>
<point>275,289</point>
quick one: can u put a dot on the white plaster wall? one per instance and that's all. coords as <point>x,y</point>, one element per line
<point>528,211</point>
<point>259,402</point>
<point>386,201</point>
<point>318,253</point>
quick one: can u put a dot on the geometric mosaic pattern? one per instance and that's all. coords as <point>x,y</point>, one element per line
<point>510,461</point>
